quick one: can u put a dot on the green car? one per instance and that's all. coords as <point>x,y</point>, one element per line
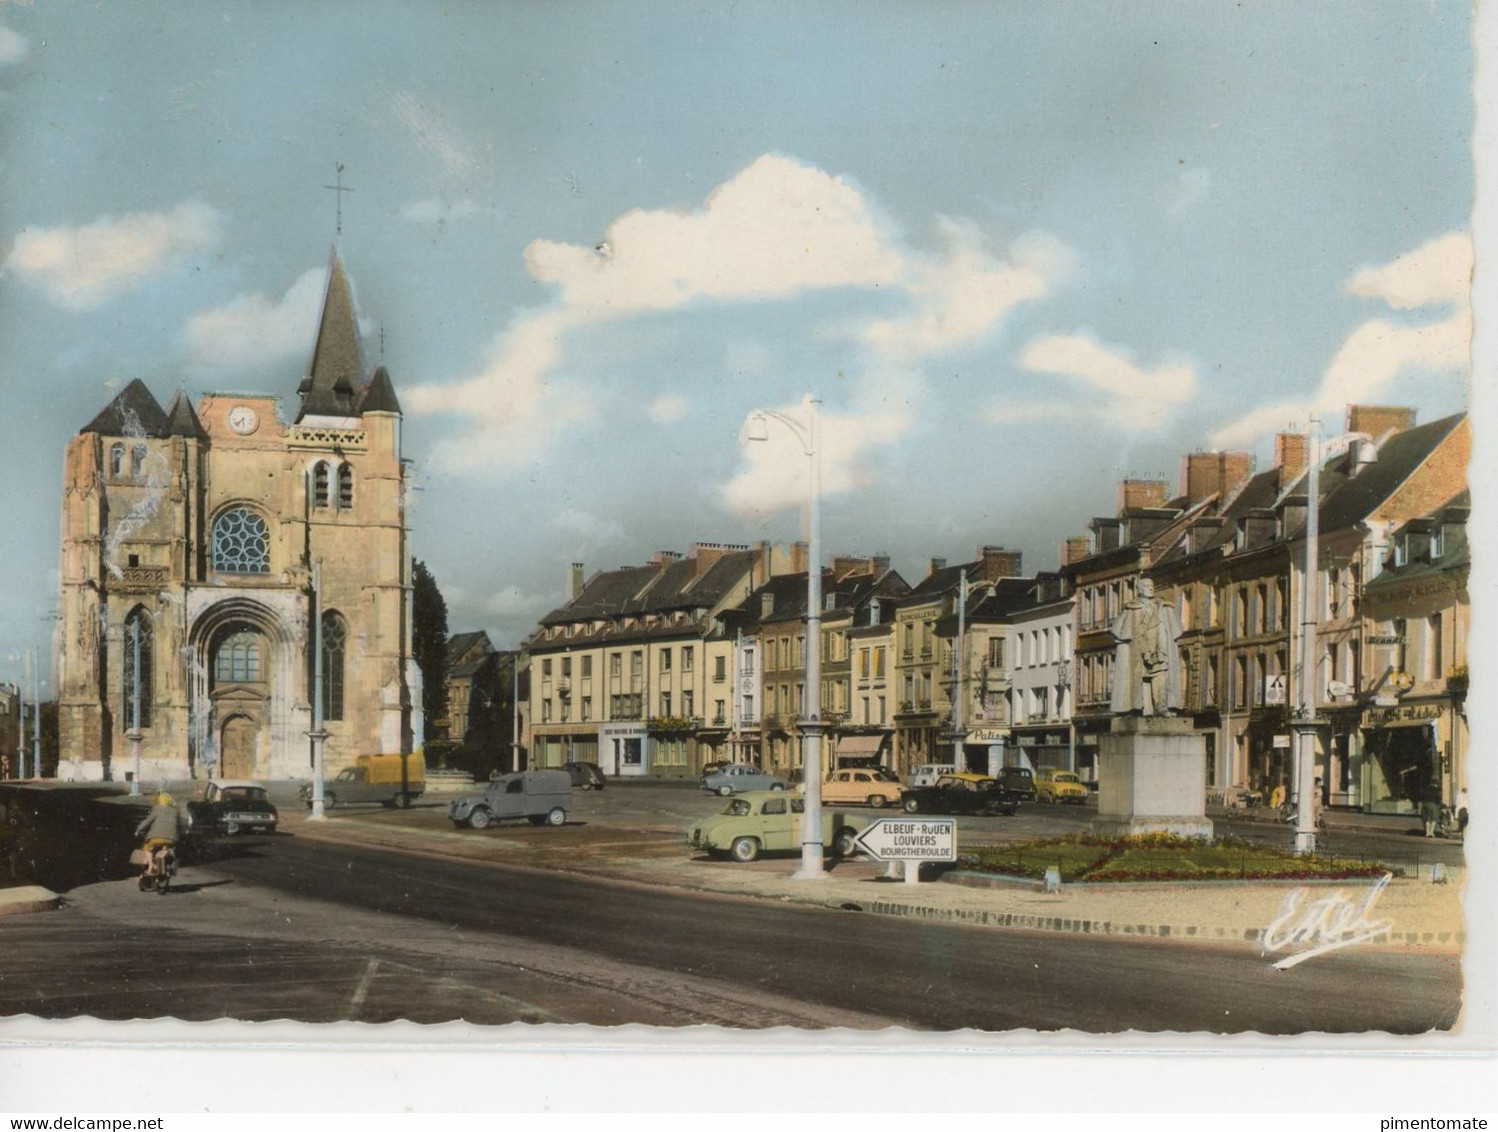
<point>769,821</point>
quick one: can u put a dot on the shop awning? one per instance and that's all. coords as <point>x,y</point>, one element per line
<point>858,746</point>
<point>1389,724</point>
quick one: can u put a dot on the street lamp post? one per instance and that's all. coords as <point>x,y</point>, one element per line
<point>318,735</point>
<point>134,733</point>
<point>811,713</point>
<point>1305,724</point>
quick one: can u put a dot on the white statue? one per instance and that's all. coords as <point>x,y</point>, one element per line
<point>1146,665</point>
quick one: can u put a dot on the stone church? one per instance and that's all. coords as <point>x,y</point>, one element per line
<point>201,549</point>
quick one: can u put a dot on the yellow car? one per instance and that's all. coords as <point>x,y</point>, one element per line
<point>1059,786</point>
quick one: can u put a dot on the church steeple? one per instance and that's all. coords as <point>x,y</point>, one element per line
<point>333,374</point>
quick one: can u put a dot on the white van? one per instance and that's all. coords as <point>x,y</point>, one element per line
<point>928,774</point>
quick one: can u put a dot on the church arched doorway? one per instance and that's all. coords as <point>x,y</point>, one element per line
<point>237,743</point>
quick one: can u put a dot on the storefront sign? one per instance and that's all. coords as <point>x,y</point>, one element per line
<point>1403,713</point>
<point>986,735</point>
<point>1281,741</point>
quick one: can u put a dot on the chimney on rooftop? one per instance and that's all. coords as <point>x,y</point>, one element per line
<point>574,581</point>
<point>1376,420</point>
<point>799,558</point>
<point>664,557</point>
<point>1212,473</point>
<point>995,562</point>
<point>1075,548</point>
<point>1133,494</point>
<point>1291,454</point>
<point>936,564</point>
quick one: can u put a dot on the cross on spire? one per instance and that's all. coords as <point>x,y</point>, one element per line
<point>338,190</point>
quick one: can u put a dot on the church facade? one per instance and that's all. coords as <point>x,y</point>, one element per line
<point>220,564</point>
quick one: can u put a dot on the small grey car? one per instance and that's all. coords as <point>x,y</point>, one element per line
<point>735,778</point>
<point>540,796</point>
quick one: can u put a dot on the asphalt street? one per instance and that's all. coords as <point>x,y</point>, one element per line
<point>285,928</point>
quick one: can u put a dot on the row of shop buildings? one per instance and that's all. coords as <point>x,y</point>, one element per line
<point>693,658</point>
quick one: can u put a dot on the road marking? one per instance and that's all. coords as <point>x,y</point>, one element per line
<point>363,988</point>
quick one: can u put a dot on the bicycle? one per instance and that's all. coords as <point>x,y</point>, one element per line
<point>161,866</point>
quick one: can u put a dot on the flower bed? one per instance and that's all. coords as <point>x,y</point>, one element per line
<point>1159,857</point>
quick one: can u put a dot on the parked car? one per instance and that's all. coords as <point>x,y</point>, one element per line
<point>1055,786</point>
<point>1018,781</point>
<point>928,774</point>
<point>373,778</point>
<point>961,793</point>
<point>765,821</point>
<point>736,778</point>
<point>860,785</point>
<point>712,767</point>
<point>230,806</point>
<point>585,776</point>
<point>539,796</point>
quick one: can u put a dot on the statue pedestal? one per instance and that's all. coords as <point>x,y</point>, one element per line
<point>1152,778</point>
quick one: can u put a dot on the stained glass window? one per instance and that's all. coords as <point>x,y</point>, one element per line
<point>137,644</point>
<point>236,660</point>
<point>334,650</point>
<point>240,543</point>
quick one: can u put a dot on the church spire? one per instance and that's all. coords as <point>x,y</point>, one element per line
<point>333,373</point>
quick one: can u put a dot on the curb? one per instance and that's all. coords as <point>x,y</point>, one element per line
<point>27,898</point>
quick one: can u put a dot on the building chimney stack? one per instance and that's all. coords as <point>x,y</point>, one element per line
<point>1133,494</point>
<point>1376,420</point>
<point>995,562</point>
<point>1291,454</point>
<point>1075,548</point>
<point>1212,473</point>
<point>936,564</point>
<point>574,581</point>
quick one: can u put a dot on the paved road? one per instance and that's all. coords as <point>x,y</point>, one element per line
<point>290,929</point>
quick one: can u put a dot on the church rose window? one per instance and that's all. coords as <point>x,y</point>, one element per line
<point>240,543</point>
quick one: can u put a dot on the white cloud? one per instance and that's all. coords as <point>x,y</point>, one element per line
<point>668,408</point>
<point>514,409</point>
<point>1133,397</point>
<point>257,328</point>
<point>85,266</point>
<point>1376,353</point>
<point>12,46</point>
<point>588,530</point>
<point>778,469</point>
<point>431,131</point>
<point>777,228</point>
<point>1109,369</point>
<point>966,294</point>
<point>435,210</point>
<point>1437,272</point>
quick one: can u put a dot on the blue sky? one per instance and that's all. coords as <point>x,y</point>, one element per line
<point>1022,251</point>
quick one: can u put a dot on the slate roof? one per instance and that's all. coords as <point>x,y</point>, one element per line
<point>659,588</point>
<point>133,412</point>
<point>460,644</point>
<point>379,395</point>
<point>1457,553</point>
<point>181,420</point>
<point>1350,500</point>
<point>335,369</point>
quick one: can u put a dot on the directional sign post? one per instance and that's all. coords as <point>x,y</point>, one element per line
<point>911,840</point>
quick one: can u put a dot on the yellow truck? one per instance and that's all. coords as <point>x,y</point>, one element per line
<point>390,780</point>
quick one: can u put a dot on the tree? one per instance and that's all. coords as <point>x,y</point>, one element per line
<point>429,643</point>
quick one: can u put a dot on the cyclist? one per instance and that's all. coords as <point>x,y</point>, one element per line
<point>161,828</point>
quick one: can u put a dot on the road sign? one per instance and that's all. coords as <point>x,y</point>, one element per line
<point>910,839</point>
<point>1274,689</point>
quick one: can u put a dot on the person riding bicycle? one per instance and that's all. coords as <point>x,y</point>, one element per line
<point>161,828</point>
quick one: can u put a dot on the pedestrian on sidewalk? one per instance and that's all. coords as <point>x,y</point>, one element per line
<point>1430,807</point>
